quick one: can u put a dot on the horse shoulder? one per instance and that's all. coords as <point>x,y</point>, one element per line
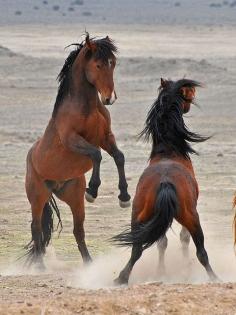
<point>69,123</point>
<point>105,113</point>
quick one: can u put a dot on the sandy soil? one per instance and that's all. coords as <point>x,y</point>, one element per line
<point>30,59</point>
<point>51,296</point>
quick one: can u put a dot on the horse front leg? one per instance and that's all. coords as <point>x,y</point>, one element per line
<point>78,144</point>
<point>95,181</point>
<point>110,146</point>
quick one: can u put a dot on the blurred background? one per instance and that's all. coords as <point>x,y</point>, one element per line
<point>184,12</point>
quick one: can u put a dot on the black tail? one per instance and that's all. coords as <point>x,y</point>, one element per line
<point>47,221</point>
<point>153,230</point>
<point>39,243</point>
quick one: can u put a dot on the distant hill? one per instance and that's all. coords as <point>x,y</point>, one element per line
<point>187,12</point>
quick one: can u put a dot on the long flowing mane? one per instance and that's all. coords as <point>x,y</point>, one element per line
<point>105,48</point>
<point>165,124</point>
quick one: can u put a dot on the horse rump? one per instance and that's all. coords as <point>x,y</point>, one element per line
<point>146,234</point>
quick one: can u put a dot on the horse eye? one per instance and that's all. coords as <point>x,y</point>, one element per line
<point>98,66</point>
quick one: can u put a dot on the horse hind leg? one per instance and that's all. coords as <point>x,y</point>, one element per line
<point>162,246</point>
<point>123,277</point>
<point>202,255</point>
<point>194,227</point>
<point>185,240</point>
<point>73,194</point>
<point>41,226</point>
<point>41,229</point>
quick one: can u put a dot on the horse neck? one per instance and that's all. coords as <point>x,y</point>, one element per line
<point>161,150</point>
<point>82,92</point>
<point>162,154</point>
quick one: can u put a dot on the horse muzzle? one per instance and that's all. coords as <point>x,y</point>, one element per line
<point>108,100</point>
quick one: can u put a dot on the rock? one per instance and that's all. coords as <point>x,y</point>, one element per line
<point>78,2</point>
<point>56,7</point>
<point>87,13</point>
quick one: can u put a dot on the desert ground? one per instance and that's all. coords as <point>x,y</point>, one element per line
<point>31,55</point>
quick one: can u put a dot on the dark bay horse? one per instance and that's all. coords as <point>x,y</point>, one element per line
<point>167,189</point>
<point>80,125</point>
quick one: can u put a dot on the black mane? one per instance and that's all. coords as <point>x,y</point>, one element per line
<point>165,124</point>
<point>105,48</point>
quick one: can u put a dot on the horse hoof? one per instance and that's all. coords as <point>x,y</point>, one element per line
<point>87,259</point>
<point>118,281</point>
<point>40,267</point>
<point>125,204</point>
<point>89,198</point>
<point>215,279</point>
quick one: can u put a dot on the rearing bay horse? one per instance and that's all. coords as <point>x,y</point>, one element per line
<point>168,188</point>
<point>80,125</point>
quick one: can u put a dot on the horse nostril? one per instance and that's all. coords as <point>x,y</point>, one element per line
<point>107,101</point>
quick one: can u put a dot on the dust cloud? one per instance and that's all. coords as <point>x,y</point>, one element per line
<point>105,268</point>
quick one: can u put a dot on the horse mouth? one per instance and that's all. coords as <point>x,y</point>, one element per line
<point>107,100</point>
<point>189,100</point>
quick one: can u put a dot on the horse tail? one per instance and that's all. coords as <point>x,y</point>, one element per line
<point>234,221</point>
<point>47,221</point>
<point>165,210</point>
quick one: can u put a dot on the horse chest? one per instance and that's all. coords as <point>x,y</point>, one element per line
<point>95,128</point>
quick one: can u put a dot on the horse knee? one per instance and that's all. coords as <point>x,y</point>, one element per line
<point>136,253</point>
<point>78,232</point>
<point>97,156</point>
<point>119,158</point>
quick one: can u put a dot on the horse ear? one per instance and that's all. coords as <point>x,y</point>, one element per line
<point>90,44</point>
<point>107,38</point>
<point>163,83</point>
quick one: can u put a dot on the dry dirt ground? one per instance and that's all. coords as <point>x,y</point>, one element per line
<point>50,295</point>
<point>30,59</point>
